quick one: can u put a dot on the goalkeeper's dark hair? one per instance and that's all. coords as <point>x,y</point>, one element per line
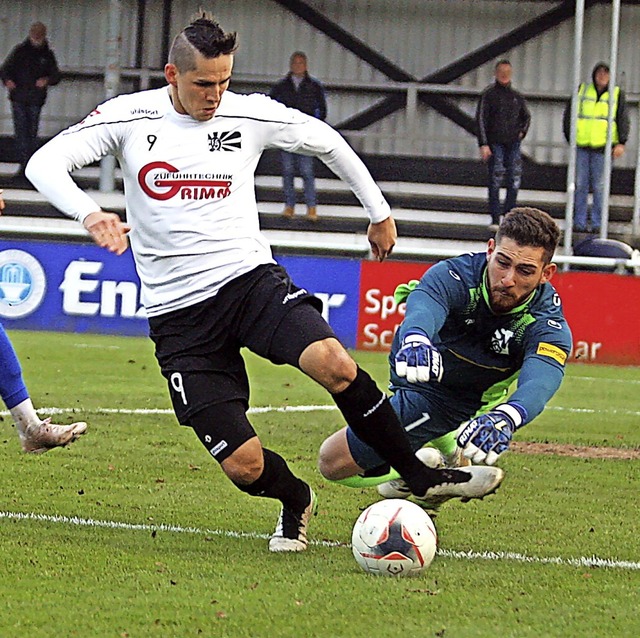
<point>205,36</point>
<point>530,227</point>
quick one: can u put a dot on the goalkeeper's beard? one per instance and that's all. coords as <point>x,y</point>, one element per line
<point>502,300</point>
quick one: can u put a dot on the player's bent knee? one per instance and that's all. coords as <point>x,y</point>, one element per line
<point>246,464</point>
<point>328,363</point>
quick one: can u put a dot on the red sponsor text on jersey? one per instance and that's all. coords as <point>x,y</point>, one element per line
<point>169,182</point>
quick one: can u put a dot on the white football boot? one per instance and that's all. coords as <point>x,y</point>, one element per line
<point>37,438</point>
<point>397,488</point>
<point>291,530</point>
<point>465,483</point>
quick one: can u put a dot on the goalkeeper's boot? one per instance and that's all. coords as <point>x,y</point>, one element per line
<point>291,530</point>
<point>37,438</point>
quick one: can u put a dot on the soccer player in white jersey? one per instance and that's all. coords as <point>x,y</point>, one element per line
<point>36,436</point>
<point>210,286</point>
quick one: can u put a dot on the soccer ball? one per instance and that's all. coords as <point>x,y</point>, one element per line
<point>394,538</point>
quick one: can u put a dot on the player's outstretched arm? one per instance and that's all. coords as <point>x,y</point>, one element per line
<point>418,360</point>
<point>487,436</point>
<point>108,231</point>
<point>382,237</point>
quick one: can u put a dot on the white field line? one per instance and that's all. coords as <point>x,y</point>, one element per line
<point>290,408</point>
<point>583,561</point>
<point>145,527</point>
<point>631,381</point>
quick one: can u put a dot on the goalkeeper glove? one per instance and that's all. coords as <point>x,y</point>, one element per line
<point>486,437</point>
<point>418,360</point>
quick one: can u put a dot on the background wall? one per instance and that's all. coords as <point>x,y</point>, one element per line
<point>419,36</point>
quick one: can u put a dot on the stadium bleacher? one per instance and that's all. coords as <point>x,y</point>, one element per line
<point>428,215</point>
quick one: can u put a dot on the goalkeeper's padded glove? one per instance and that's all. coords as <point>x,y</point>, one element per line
<point>487,436</point>
<point>418,360</point>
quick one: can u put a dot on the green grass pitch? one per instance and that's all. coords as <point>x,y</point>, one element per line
<point>133,531</point>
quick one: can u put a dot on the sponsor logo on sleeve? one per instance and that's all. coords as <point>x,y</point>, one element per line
<point>549,350</point>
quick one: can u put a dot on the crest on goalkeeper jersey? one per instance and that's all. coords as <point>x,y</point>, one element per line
<point>500,340</point>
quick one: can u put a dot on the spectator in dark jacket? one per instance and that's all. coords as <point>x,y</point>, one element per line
<point>591,140</point>
<point>502,120</point>
<point>27,72</point>
<point>300,91</point>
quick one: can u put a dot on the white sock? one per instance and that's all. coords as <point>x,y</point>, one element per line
<point>24,415</point>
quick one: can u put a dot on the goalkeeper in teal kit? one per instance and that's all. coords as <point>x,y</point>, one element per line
<point>474,325</point>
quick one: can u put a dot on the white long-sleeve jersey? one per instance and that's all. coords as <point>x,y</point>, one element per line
<point>189,185</point>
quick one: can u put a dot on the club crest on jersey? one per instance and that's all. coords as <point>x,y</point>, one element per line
<point>162,181</point>
<point>500,341</point>
<point>226,141</point>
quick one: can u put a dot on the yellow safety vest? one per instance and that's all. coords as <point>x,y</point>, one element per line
<point>593,115</point>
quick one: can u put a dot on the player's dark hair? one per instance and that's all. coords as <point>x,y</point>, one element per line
<point>530,227</point>
<point>205,36</point>
<point>503,61</point>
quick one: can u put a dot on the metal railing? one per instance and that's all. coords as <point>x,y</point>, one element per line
<point>353,245</point>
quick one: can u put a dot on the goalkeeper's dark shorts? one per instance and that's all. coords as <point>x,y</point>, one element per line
<point>425,415</point>
<point>198,348</point>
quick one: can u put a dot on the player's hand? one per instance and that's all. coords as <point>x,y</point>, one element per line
<point>617,151</point>
<point>418,360</point>
<point>486,437</point>
<point>108,231</point>
<point>1,201</point>
<point>382,238</point>
<point>485,153</point>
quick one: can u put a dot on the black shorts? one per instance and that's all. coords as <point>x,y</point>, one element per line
<point>198,348</point>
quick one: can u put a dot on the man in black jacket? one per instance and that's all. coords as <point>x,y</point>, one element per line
<point>300,91</point>
<point>29,69</point>
<point>503,120</point>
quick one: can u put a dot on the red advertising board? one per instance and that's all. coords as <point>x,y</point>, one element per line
<point>379,315</point>
<point>603,311</point>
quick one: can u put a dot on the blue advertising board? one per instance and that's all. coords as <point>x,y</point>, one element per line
<point>68,287</point>
<point>336,282</point>
<point>79,287</point>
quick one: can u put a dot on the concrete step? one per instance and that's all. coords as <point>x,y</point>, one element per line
<point>459,216</point>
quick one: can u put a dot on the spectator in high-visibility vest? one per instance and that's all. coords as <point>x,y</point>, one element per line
<point>591,139</point>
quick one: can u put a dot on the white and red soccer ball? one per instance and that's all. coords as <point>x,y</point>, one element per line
<point>394,537</point>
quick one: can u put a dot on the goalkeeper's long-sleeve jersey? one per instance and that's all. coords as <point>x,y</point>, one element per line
<point>483,352</point>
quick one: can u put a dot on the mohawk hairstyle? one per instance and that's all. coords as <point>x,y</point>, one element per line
<point>530,227</point>
<point>205,36</point>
